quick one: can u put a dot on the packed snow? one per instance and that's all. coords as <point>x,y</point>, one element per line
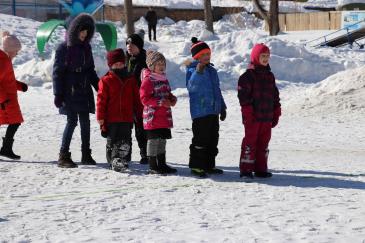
<point>317,151</point>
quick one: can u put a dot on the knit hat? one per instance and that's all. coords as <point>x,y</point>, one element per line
<point>198,48</point>
<point>136,40</point>
<point>115,56</point>
<point>153,57</point>
<point>10,42</point>
<point>257,50</point>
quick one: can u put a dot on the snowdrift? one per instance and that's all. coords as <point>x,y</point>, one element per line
<point>342,92</point>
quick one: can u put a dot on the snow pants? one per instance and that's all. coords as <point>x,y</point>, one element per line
<point>119,141</point>
<point>203,148</point>
<point>254,149</point>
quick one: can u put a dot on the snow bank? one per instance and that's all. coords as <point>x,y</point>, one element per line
<point>342,92</point>
<point>231,46</point>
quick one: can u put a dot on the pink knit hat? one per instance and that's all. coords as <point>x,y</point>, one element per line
<point>10,42</point>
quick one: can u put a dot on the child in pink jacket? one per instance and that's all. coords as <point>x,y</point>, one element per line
<point>157,100</point>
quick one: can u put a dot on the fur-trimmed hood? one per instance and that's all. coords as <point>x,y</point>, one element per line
<point>81,22</point>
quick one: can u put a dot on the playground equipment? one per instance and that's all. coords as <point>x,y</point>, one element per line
<point>347,35</point>
<point>107,31</point>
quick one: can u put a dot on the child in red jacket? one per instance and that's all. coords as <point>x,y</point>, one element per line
<point>157,99</point>
<point>117,103</point>
<point>261,109</point>
<point>10,113</point>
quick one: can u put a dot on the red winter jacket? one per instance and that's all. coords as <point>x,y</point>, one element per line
<point>257,91</point>
<point>118,100</point>
<point>9,110</point>
<point>154,89</point>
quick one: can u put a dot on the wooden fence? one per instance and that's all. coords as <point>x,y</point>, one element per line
<point>310,21</point>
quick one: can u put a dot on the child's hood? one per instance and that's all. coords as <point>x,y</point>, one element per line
<point>257,50</point>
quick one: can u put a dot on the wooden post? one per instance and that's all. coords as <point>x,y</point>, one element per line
<point>128,11</point>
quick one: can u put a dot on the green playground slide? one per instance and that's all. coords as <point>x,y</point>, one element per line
<point>45,31</point>
<point>107,31</point>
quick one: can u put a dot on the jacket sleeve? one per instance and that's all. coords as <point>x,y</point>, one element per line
<point>245,89</point>
<point>7,80</point>
<point>224,106</point>
<point>94,79</point>
<point>137,105</point>
<point>59,69</point>
<point>102,99</point>
<point>193,78</point>
<point>276,97</point>
<point>146,93</point>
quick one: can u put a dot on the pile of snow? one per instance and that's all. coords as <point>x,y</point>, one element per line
<point>344,2</point>
<point>231,47</point>
<point>342,92</point>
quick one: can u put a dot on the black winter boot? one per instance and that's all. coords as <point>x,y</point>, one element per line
<point>214,171</point>
<point>154,169</point>
<point>65,160</point>
<point>7,149</point>
<point>86,158</point>
<point>144,158</point>
<point>263,174</point>
<point>163,167</point>
<point>246,175</point>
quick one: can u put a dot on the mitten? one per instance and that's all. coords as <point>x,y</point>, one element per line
<point>58,101</point>
<point>223,114</point>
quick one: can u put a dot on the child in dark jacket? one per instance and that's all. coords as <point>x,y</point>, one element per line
<point>117,103</point>
<point>157,99</point>
<point>261,109</point>
<point>206,104</point>
<point>73,76</point>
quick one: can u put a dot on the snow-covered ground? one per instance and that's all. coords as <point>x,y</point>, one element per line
<point>317,152</point>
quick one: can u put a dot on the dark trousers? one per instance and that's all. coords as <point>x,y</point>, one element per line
<point>72,119</point>
<point>150,29</point>
<point>11,130</point>
<point>140,134</point>
<point>119,141</point>
<point>203,148</point>
<point>254,150</point>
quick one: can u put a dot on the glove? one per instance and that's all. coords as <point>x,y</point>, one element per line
<point>23,86</point>
<point>58,101</point>
<point>275,120</point>
<point>165,103</point>
<point>173,99</point>
<point>200,68</point>
<point>223,114</point>
<point>103,131</point>
<point>247,115</point>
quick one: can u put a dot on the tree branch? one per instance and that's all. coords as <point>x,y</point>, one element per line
<point>263,13</point>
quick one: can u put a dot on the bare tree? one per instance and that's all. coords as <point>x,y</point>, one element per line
<point>272,17</point>
<point>128,12</point>
<point>208,14</point>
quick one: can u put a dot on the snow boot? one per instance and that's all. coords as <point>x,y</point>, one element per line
<point>144,161</point>
<point>65,161</point>
<point>86,158</point>
<point>215,171</point>
<point>246,175</point>
<point>119,165</point>
<point>144,158</point>
<point>7,149</point>
<point>263,174</point>
<point>163,167</point>
<point>199,172</point>
<point>154,169</point>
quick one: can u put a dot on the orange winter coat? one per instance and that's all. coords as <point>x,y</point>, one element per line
<point>9,107</point>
